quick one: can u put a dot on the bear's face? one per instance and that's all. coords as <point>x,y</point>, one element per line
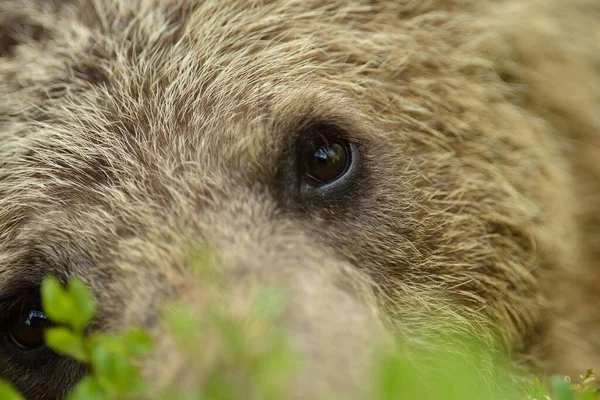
<point>362,158</point>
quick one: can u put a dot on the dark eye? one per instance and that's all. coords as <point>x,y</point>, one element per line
<point>27,330</point>
<point>327,163</point>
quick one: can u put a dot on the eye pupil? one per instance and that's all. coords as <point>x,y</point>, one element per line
<point>27,332</point>
<point>327,163</point>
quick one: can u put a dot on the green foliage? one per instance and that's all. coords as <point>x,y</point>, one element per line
<point>74,306</point>
<point>109,356</point>
<point>456,372</point>
<point>239,353</point>
<point>446,365</point>
<point>245,355</point>
<point>7,392</point>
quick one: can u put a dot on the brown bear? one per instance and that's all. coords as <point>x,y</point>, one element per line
<point>366,155</point>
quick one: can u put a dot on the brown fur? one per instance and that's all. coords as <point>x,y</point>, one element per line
<point>130,130</point>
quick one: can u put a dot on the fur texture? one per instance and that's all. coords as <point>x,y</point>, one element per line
<point>133,129</point>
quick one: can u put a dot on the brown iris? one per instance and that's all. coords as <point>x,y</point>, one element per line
<point>27,332</point>
<point>327,163</point>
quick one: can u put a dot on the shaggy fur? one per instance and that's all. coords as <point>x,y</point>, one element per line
<point>132,129</point>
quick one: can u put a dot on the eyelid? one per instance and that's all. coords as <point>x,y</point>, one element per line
<point>18,298</point>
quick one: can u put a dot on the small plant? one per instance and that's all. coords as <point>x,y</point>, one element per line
<point>255,361</point>
<point>239,351</point>
<point>109,356</point>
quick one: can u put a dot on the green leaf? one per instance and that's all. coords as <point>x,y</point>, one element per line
<point>181,324</point>
<point>63,340</point>
<point>84,303</point>
<point>395,380</point>
<point>113,370</point>
<point>7,392</point>
<point>588,396</point>
<point>137,342</point>
<point>88,389</point>
<point>562,389</point>
<point>56,303</point>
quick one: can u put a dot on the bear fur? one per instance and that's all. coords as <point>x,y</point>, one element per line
<point>133,129</point>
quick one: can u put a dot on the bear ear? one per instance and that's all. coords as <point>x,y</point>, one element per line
<point>16,29</point>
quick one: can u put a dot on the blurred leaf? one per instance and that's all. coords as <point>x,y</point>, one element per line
<point>63,340</point>
<point>7,392</point>
<point>113,370</point>
<point>56,303</point>
<point>84,304</point>
<point>181,324</point>
<point>137,342</point>
<point>88,389</point>
<point>562,389</point>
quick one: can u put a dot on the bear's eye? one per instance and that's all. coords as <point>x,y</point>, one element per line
<point>328,162</point>
<point>26,331</point>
